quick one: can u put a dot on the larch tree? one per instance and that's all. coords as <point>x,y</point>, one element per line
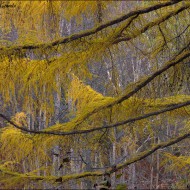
<point>94,88</point>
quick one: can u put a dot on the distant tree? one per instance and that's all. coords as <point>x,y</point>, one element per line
<point>89,88</point>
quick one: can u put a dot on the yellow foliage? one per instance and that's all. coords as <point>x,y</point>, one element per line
<point>82,96</point>
<point>15,144</point>
<point>77,8</point>
<point>28,17</point>
<point>39,21</point>
<point>181,163</point>
<point>20,119</point>
<point>35,81</point>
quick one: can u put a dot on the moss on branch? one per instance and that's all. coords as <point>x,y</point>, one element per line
<point>153,23</point>
<point>57,129</point>
<point>110,170</point>
<point>89,32</point>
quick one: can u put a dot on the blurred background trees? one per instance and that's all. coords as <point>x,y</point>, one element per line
<point>94,87</point>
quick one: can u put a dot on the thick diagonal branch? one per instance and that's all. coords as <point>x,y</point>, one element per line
<point>153,23</point>
<point>169,108</point>
<point>137,86</point>
<point>92,31</point>
<point>183,55</point>
<point>145,154</point>
<point>110,170</point>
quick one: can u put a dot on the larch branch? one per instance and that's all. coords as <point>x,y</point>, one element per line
<point>138,85</point>
<point>169,107</point>
<point>110,170</point>
<point>91,31</point>
<point>153,23</point>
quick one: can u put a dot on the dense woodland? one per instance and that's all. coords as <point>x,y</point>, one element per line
<point>94,92</point>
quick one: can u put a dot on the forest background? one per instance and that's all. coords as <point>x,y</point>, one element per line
<point>89,88</point>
